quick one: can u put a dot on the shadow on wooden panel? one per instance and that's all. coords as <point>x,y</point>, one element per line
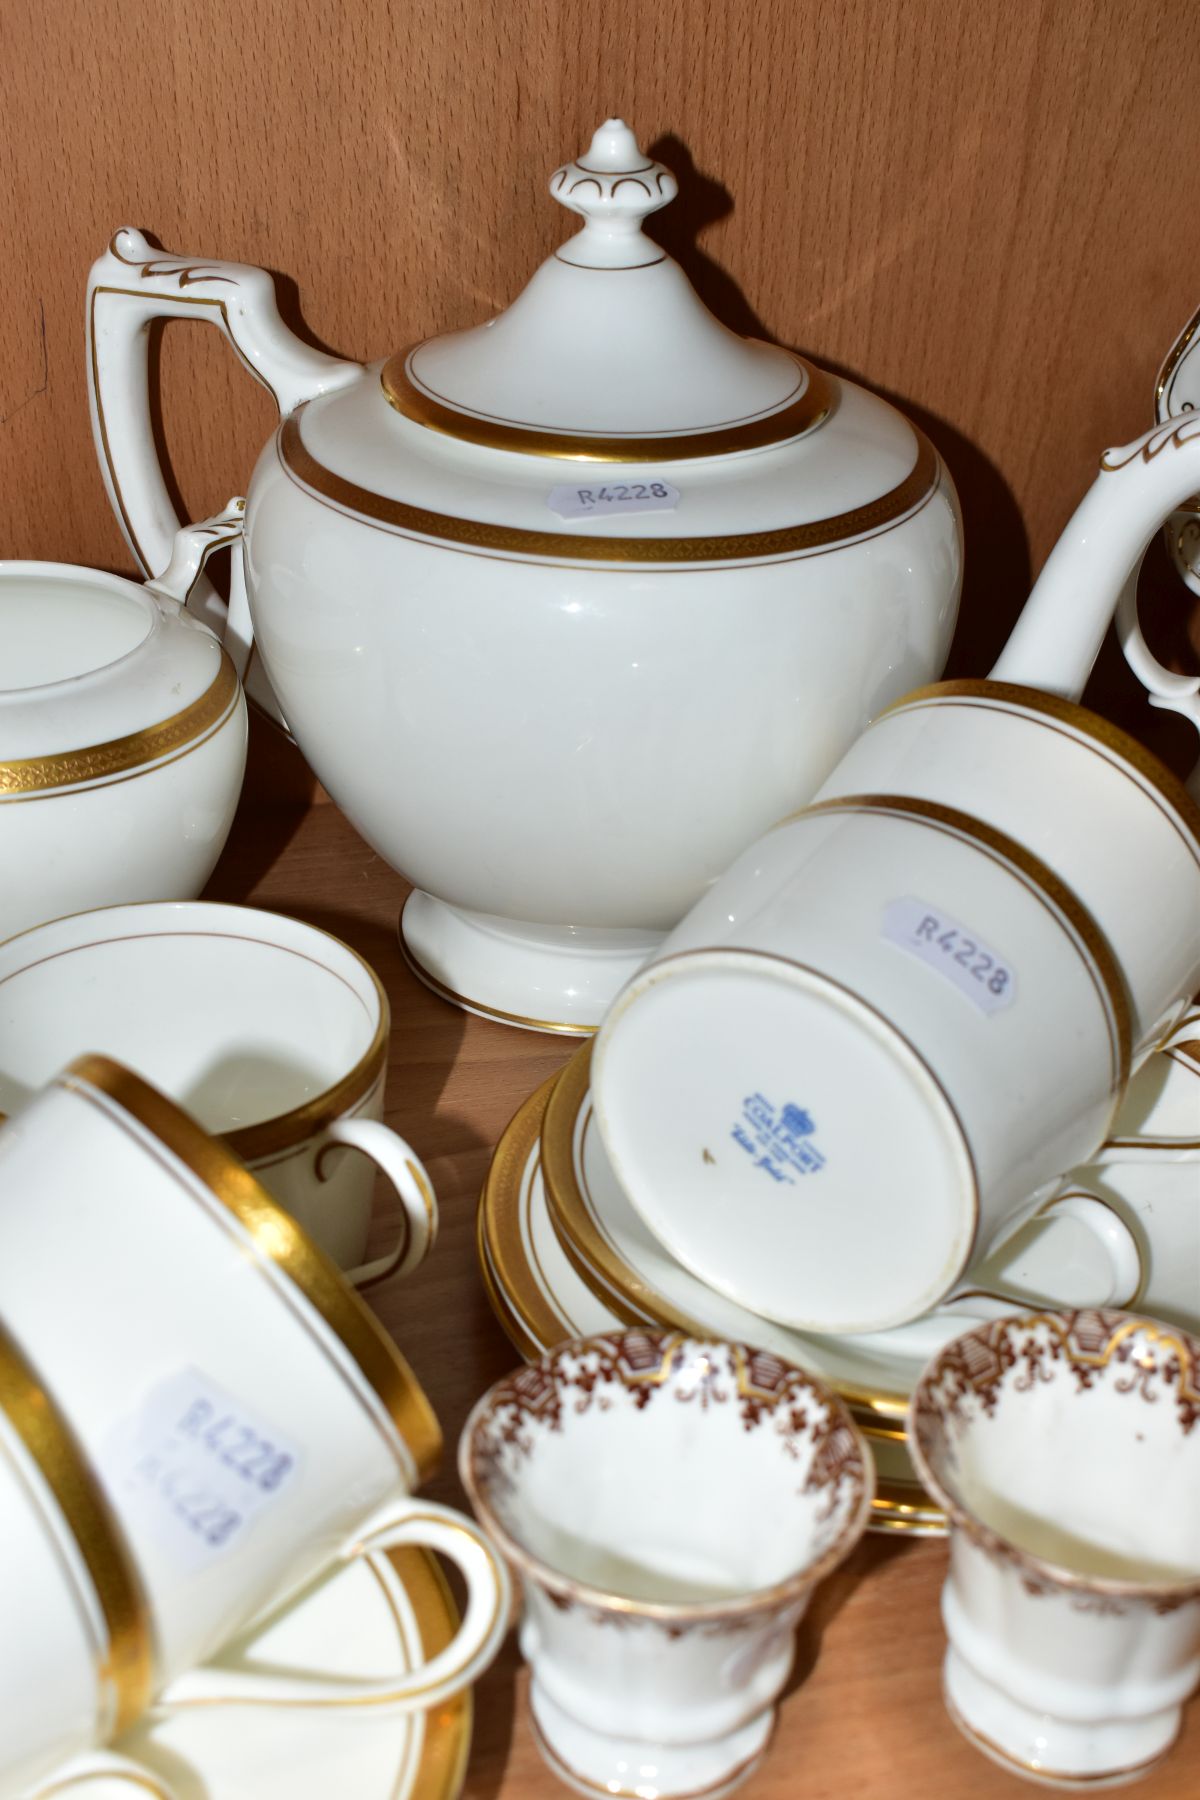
<point>702,200</point>
<point>997,574</point>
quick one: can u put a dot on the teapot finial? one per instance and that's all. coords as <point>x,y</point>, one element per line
<point>613,186</point>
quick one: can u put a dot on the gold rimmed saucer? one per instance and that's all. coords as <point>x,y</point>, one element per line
<point>373,1617</point>
<point>540,1295</point>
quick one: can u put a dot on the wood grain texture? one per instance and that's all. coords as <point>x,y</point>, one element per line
<point>973,206</point>
<point>863,1717</point>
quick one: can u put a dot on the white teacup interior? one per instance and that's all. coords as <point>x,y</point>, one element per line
<point>54,627</point>
<point>646,1468</point>
<point>1070,1438</point>
<point>237,1015</point>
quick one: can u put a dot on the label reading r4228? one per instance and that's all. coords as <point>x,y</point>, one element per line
<point>603,499</point>
<point>976,969</point>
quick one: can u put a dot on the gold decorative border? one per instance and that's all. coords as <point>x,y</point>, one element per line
<point>283,1132</point>
<point>592,1257</point>
<point>814,403</point>
<point>917,488</point>
<point>446,1743</point>
<point>279,1240</point>
<point>428,979</point>
<point>1087,723</point>
<point>33,775</point>
<point>1033,874</point>
<point>127,1665</point>
<point>498,1229</point>
<point>1175,355</point>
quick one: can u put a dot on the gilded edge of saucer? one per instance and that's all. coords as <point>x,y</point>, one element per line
<point>528,1319</point>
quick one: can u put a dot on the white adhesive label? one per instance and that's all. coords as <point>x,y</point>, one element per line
<point>195,1467</point>
<point>603,499</point>
<point>975,968</point>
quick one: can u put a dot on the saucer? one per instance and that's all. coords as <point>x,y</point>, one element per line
<point>564,1254</point>
<point>540,1299</point>
<point>375,1616</point>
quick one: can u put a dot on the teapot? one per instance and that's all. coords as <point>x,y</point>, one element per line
<point>564,609</point>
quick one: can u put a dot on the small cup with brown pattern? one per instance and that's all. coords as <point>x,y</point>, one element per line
<point>1065,1449</point>
<point>671,1506</point>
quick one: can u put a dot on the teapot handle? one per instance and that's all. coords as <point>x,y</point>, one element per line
<point>1056,639</point>
<point>129,287</point>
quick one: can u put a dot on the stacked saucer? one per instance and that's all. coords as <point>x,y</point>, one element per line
<point>564,1254</point>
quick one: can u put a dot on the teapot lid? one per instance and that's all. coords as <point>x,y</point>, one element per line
<point>609,355</point>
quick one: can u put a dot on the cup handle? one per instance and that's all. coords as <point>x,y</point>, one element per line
<point>412,1186</point>
<point>1182,1045</point>
<point>472,1649</point>
<point>1104,1221</point>
<point>102,1765</point>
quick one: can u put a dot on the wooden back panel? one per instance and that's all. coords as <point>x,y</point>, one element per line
<point>975,208</point>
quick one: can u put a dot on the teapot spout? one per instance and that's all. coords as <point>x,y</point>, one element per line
<point>1057,638</point>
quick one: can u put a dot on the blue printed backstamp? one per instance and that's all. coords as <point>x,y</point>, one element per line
<point>778,1138</point>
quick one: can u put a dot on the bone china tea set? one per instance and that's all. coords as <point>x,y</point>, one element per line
<point>872,1203</point>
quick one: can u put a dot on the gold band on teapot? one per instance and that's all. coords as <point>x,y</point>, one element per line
<point>810,538</point>
<point>813,400</point>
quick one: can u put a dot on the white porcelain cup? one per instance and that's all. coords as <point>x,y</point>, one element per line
<point>861,1062</point>
<point>75,1651</point>
<point>249,1420</point>
<point>271,1033</point>
<point>670,1505</point>
<point>1098,809</point>
<point>1064,1448</point>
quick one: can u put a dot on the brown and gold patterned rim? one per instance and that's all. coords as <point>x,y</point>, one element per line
<point>1089,725</point>
<point>1086,1340</point>
<point>915,490</point>
<point>96,764</point>
<point>126,1668</point>
<point>642,1361</point>
<point>280,1241</point>
<point>1103,1778</point>
<point>1034,874</point>
<point>810,406</point>
<point>282,1132</point>
<point>594,1256</point>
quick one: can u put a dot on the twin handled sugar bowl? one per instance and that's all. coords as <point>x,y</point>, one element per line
<point>566,608</point>
<point>122,732</point>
